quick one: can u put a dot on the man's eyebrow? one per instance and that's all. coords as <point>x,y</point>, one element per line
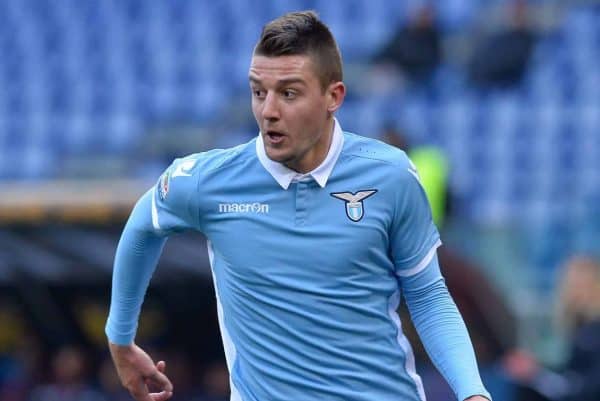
<point>282,82</point>
<point>290,81</point>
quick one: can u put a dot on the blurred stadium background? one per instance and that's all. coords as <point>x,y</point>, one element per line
<point>97,97</point>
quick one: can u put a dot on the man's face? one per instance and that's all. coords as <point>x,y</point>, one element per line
<point>292,110</point>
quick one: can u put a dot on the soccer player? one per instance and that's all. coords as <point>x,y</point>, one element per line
<point>314,234</point>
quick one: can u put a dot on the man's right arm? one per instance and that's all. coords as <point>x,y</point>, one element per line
<point>137,255</point>
<point>136,258</point>
<point>164,209</point>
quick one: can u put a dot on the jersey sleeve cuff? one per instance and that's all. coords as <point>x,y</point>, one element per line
<point>119,337</point>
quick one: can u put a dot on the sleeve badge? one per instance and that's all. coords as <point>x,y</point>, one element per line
<point>163,185</point>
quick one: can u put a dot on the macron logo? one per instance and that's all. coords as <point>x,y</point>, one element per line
<point>255,207</point>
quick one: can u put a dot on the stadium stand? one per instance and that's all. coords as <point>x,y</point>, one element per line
<point>96,98</point>
<point>91,78</point>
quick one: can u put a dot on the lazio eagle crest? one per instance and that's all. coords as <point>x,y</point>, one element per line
<point>354,202</point>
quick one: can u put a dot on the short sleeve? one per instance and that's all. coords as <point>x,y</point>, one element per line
<point>173,197</point>
<point>414,238</point>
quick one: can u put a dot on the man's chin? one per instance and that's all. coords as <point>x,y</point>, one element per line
<point>276,156</point>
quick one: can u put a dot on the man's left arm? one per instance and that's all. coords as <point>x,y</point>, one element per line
<point>443,332</point>
<point>414,240</point>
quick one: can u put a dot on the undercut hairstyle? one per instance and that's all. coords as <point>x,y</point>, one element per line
<point>303,33</point>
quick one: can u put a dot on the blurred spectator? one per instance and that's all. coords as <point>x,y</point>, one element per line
<point>395,137</point>
<point>215,383</point>
<point>579,315</point>
<point>19,368</point>
<point>109,382</point>
<point>432,167</point>
<point>69,371</point>
<point>415,48</point>
<point>211,383</point>
<point>502,57</point>
<point>184,376</point>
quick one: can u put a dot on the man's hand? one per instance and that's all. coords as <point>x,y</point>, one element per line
<point>477,398</point>
<point>139,374</point>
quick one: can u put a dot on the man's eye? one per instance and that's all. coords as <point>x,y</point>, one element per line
<point>289,94</point>
<point>258,93</point>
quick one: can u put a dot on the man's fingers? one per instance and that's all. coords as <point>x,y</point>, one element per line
<point>162,396</point>
<point>139,391</point>
<point>144,380</point>
<point>160,381</point>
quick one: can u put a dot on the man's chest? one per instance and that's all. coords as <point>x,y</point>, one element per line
<point>305,230</point>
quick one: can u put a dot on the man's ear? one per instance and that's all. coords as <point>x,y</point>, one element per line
<point>335,96</point>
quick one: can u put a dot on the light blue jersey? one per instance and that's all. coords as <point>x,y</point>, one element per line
<point>308,271</point>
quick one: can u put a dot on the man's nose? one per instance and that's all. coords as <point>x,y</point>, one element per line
<point>270,109</point>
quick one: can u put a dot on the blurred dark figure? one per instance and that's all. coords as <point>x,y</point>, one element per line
<point>184,375</point>
<point>20,368</point>
<point>579,314</point>
<point>432,166</point>
<point>109,382</point>
<point>501,59</point>
<point>394,136</point>
<point>415,48</point>
<point>69,373</point>
<point>215,383</point>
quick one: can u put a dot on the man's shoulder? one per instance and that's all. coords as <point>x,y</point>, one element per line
<point>376,155</point>
<point>184,174</point>
<point>374,150</point>
<point>211,160</point>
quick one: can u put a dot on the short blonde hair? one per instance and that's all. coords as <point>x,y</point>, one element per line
<point>579,297</point>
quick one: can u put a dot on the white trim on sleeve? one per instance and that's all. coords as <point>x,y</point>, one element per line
<point>409,356</point>
<point>422,264</point>
<point>154,211</point>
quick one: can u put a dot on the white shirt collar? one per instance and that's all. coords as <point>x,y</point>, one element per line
<point>284,175</point>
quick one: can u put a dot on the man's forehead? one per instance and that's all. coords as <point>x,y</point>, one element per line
<point>290,67</point>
